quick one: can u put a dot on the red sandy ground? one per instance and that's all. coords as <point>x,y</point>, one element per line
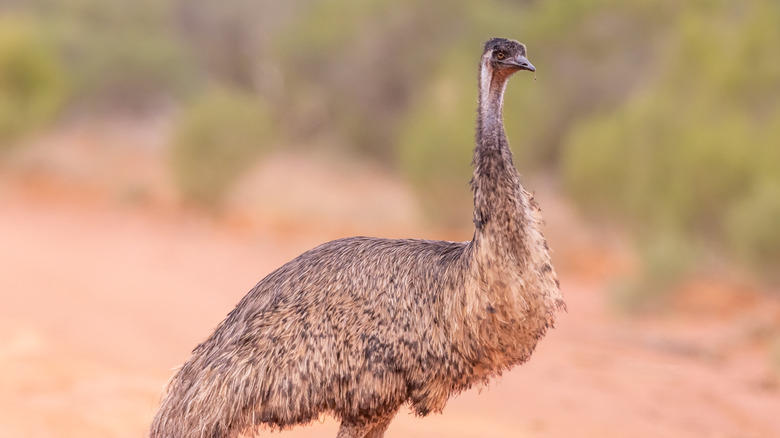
<point>101,299</point>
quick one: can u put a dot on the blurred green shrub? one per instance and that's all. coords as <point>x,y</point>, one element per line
<point>591,55</point>
<point>354,68</point>
<point>753,228</point>
<point>692,153</point>
<point>32,80</point>
<point>663,115</point>
<point>121,55</point>
<point>437,138</point>
<point>220,136</point>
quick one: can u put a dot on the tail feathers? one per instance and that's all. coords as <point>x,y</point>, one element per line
<point>205,404</point>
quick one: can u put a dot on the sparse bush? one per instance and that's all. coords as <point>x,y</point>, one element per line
<point>435,147</point>
<point>121,55</point>
<point>354,68</point>
<point>590,56</point>
<point>219,137</point>
<point>690,155</point>
<point>664,172</point>
<point>32,80</point>
<point>753,226</point>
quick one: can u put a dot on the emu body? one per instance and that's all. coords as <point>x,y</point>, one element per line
<point>358,327</point>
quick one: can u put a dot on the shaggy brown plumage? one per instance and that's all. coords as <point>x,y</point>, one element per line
<point>358,327</point>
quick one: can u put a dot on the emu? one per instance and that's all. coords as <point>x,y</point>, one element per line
<point>360,326</point>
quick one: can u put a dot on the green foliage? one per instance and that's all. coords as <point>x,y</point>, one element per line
<point>434,150</point>
<point>753,231</point>
<point>354,68</point>
<point>32,80</point>
<point>121,54</point>
<point>590,55</point>
<point>695,153</point>
<point>219,137</point>
<point>664,115</point>
<point>670,173</point>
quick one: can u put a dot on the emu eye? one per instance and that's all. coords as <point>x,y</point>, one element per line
<point>500,55</point>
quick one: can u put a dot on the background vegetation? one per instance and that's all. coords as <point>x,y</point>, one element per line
<point>219,136</point>
<point>662,117</point>
<point>32,80</point>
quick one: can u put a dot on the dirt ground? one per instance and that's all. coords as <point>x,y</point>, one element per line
<point>102,297</point>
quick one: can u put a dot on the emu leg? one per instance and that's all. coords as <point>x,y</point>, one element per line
<point>378,431</point>
<point>373,429</point>
<point>354,430</point>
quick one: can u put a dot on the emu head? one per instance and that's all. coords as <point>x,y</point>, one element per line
<point>503,57</point>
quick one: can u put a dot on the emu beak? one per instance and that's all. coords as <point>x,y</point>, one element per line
<point>522,63</point>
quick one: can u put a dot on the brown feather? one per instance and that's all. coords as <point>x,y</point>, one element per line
<point>358,327</point>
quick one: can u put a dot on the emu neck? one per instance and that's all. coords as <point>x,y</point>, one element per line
<point>490,122</point>
<point>498,198</point>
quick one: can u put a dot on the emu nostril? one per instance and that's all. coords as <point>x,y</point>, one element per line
<point>524,63</point>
